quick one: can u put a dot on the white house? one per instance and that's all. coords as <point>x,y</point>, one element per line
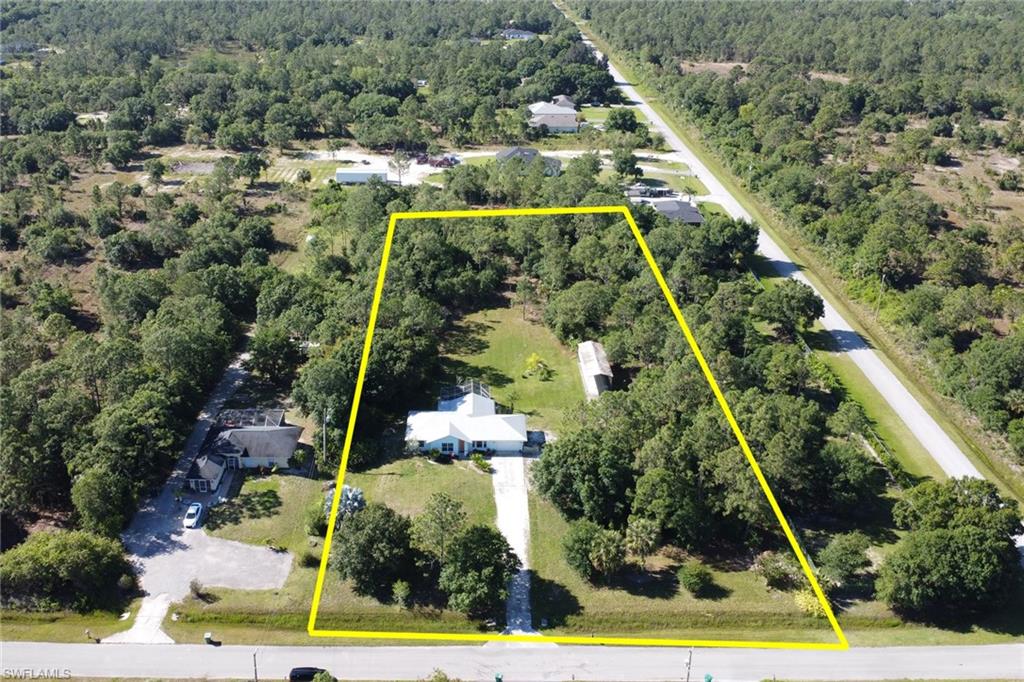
<point>559,115</point>
<point>465,422</point>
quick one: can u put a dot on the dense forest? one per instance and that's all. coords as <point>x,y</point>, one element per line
<point>888,135</point>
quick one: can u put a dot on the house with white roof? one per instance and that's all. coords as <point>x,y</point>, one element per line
<point>558,115</point>
<point>466,420</point>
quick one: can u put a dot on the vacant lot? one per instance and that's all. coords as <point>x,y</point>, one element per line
<point>493,345</point>
<point>651,603</point>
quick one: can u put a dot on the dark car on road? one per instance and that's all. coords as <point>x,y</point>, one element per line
<point>304,674</point>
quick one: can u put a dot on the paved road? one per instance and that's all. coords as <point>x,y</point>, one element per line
<point>921,424</point>
<point>1004,661</point>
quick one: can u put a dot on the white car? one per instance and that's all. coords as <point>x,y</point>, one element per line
<point>193,516</point>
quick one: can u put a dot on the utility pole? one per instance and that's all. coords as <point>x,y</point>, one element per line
<point>255,673</point>
<point>689,662</point>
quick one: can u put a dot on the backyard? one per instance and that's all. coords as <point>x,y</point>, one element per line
<point>493,346</point>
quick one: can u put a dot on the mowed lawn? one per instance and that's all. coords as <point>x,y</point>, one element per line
<point>272,510</point>
<point>493,345</point>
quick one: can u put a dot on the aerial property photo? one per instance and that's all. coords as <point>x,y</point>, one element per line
<point>512,339</point>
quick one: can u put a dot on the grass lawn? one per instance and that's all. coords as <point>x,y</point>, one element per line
<point>62,626</point>
<point>686,184</point>
<point>710,208</point>
<point>493,345</point>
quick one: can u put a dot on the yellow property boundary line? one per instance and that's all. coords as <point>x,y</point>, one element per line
<point>841,644</point>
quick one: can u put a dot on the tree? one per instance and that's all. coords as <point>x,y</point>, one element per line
<point>608,553</point>
<point>156,168</point>
<point>442,519</point>
<point>536,366</point>
<point>576,546</point>
<point>373,550</point>
<point>250,165</point>
<point>278,135</point>
<point>790,305</point>
<point>480,565</point>
<point>622,119</point>
<point>400,163</point>
<point>843,557</point>
<point>63,569</point>
<point>642,538</point>
<point>103,500</point>
<point>625,162</point>
<point>273,353</point>
<point>304,176</point>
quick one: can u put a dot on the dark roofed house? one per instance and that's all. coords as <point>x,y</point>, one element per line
<point>526,155</point>
<point>205,473</point>
<point>682,211</point>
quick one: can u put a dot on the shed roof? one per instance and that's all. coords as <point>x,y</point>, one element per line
<point>593,360</point>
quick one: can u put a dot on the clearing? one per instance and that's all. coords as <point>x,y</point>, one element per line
<point>493,345</point>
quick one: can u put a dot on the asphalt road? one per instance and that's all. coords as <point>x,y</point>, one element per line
<point>921,424</point>
<point>1005,661</point>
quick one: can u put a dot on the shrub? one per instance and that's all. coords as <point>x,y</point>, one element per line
<point>808,603</point>
<point>695,577</point>
<point>480,462</point>
<point>63,569</point>
<point>608,552</point>
<point>316,519</point>
<point>843,557</point>
<point>400,593</point>
<point>778,570</point>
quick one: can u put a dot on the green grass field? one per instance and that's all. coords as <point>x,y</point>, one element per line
<point>686,184</point>
<point>493,345</point>
<point>62,626</point>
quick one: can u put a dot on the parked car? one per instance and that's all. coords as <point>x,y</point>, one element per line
<point>305,674</point>
<point>194,515</point>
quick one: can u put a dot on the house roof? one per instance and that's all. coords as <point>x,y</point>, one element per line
<point>206,467</point>
<point>260,441</point>
<point>540,108</point>
<point>683,211</point>
<point>563,101</point>
<point>593,360</point>
<point>468,417</point>
<point>560,120</point>
<point>524,154</point>
<point>517,33</point>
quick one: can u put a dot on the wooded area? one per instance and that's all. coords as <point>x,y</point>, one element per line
<point>864,124</point>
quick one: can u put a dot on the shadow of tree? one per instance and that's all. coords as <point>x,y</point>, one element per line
<point>658,584</point>
<point>259,504</point>
<point>713,592</point>
<point>552,603</point>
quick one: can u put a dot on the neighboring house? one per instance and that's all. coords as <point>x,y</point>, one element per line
<point>594,368</point>
<point>558,115</point>
<point>466,420</point>
<point>682,211</point>
<point>242,439</point>
<point>257,446</point>
<point>205,473</point>
<point>518,34</point>
<point>359,175</point>
<point>526,155</point>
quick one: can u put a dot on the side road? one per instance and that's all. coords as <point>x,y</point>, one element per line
<point>183,661</point>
